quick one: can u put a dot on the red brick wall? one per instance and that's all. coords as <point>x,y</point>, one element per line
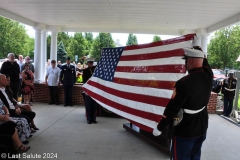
<point>212,104</point>
<point>41,94</point>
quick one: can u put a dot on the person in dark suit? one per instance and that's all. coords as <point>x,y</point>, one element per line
<point>90,104</point>
<point>12,105</point>
<point>11,68</point>
<point>68,79</point>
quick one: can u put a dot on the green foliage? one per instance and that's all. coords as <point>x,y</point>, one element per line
<point>61,52</point>
<point>77,46</point>
<point>89,42</point>
<point>156,38</point>
<point>132,40</point>
<point>29,45</point>
<point>103,40</point>
<point>224,48</point>
<point>14,38</point>
<point>48,46</point>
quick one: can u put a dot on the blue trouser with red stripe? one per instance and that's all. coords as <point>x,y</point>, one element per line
<point>187,148</point>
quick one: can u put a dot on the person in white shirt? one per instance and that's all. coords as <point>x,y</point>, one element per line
<point>52,81</point>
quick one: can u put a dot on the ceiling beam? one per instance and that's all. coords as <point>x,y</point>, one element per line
<point>116,30</point>
<point>17,18</point>
<point>224,23</point>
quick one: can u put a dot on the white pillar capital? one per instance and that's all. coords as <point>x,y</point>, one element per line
<point>54,28</point>
<point>185,31</point>
<point>40,26</point>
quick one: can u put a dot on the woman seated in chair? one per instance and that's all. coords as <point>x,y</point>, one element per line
<point>9,128</point>
<point>22,125</point>
<point>26,107</point>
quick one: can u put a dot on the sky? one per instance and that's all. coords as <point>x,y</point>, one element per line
<point>122,37</point>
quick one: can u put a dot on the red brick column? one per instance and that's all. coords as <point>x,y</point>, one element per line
<point>212,104</point>
<point>41,94</point>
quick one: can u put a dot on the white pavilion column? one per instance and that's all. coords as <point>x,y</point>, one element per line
<point>37,55</point>
<point>204,41</point>
<point>53,53</point>
<point>44,54</point>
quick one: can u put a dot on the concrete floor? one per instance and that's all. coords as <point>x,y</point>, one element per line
<point>64,131</point>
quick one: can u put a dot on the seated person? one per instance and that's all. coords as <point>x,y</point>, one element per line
<point>7,145</point>
<point>23,107</point>
<point>23,128</point>
<point>12,106</point>
<point>8,128</point>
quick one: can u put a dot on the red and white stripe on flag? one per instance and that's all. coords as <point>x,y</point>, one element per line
<point>137,82</point>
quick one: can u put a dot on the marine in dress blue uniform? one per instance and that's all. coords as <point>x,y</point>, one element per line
<point>191,95</point>
<point>228,91</point>
<point>68,79</point>
<point>90,104</point>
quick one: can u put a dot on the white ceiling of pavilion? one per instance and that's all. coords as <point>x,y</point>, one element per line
<point>130,16</point>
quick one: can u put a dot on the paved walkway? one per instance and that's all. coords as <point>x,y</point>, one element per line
<point>63,130</point>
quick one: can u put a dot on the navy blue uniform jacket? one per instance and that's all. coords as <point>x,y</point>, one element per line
<point>192,92</point>
<point>68,75</point>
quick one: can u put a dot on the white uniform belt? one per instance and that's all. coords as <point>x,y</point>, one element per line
<point>193,111</point>
<point>230,89</point>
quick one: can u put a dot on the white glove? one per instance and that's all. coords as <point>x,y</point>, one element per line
<point>156,132</point>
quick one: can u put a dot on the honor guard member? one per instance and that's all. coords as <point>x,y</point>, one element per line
<point>68,78</point>
<point>228,91</point>
<point>90,104</point>
<point>191,95</point>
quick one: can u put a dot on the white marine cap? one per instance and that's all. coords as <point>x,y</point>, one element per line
<point>193,53</point>
<point>90,59</point>
<point>230,71</point>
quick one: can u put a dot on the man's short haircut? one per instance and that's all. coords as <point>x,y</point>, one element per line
<point>9,54</point>
<point>7,76</point>
<point>53,61</point>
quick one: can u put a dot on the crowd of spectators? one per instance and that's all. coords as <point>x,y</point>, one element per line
<point>16,118</point>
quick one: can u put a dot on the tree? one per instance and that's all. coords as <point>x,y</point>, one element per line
<point>89,36</point>
<point>13,38</point>
<point>89,42</point>
<point>132,40</point>
<point>48,46</point>
<point>29,45</point>
<point>224,48</point>
<point>77,46</point>
<point>61,52</point>
<point>101,41</point>
<point>156,38</point>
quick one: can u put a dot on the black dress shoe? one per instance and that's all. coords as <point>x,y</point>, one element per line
<point>25,142</point>
<point>89,122</point>
<point>65,105</point>
<point>49,103</point>
<point>94,121</point>
<point>57,103</point>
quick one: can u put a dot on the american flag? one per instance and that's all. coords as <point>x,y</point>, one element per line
<point>137,82</point>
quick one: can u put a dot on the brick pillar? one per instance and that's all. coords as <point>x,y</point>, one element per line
<point>212,104</point>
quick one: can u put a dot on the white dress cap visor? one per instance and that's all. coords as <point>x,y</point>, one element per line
<point>193,53</point>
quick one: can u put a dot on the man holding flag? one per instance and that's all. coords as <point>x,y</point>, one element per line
<point>191,94</point>
<point>91,105</point>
